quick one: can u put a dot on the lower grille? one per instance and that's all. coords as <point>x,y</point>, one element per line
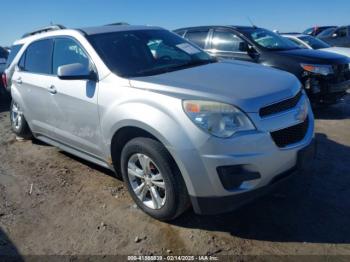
<point>290,135</point>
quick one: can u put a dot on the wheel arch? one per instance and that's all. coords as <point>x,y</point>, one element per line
<point>121,137</point>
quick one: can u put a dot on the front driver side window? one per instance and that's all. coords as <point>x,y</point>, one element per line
<point>67,51</point>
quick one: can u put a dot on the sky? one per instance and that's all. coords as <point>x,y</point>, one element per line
<point>20,16</point>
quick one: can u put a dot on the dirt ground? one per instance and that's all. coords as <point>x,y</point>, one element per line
<point>54,203</point>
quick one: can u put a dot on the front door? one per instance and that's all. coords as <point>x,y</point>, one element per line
<point>75,111</point>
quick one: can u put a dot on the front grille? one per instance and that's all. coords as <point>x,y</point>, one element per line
<point>280,106</point>
<point>290,135</point>
<point>341,73</point>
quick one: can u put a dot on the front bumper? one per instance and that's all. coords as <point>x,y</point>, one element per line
<point>327,90</point>
<point>217,169</point>
<point>339,87</point>
<point>216,205</point>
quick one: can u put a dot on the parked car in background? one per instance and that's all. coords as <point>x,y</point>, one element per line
<point>325,76</point>
<point>310,42</point>
<point>180,126</point>
<point>10,65</point>
<point>3,59</point>
<point>314,31</point>
<point>339,36</point>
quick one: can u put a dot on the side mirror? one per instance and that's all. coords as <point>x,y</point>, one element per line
<point>76,72</point>
<point>335,35</point>
<point>243,47</point>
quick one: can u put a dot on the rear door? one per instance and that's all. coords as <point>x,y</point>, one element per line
<point>74,111</point>
<point>227,44</point>
<point>32,79</point>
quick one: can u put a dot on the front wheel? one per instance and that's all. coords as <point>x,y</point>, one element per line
<point>153,179</point>
<point>19,124</point>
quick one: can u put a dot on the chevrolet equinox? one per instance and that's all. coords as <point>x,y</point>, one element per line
<point>179,126</point>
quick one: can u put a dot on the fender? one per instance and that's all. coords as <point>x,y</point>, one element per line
<point>163,126</point>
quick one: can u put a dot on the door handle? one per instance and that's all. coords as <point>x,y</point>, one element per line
<point>52,89</point>
<point>19,81</point>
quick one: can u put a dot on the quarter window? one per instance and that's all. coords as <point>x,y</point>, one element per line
<point>197,37</point>
<point>38,57</point>
<point>226,41</point>
<point>67,51</point>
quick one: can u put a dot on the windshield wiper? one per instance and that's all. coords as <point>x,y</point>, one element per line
<point>195,63</point>
<point>154,71</point>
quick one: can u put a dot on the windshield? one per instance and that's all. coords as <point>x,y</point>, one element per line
<point>147,52</point>
<point>314,42</point>
<point>271,41</point>
<point>326,32</point>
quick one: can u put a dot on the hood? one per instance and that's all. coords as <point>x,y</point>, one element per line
<point>246,85</point>
<point>338,50</point>
<point>314,56</point>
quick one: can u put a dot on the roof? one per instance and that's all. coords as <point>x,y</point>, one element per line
<point>238,27</point>
<point>294,34</point>
<point>115,28</point>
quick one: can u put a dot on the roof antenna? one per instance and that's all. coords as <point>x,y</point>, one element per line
<point>251,22</point>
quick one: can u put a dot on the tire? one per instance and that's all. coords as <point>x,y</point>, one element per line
<point>173,199</point>
<point>19,124</point>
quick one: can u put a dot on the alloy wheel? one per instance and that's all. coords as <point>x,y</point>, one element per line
<point>16,116</point>
<point>146,181</point>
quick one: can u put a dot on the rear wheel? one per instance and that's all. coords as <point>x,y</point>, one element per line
<point>19,124</point>
<point>153,179</point>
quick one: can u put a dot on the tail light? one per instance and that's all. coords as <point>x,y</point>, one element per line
<point>4,80</point>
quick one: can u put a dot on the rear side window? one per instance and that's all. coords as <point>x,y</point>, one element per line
<point>14,51</point>
<point>67,51</point>
<point>198,37</point>
<point>226,41</point>
<point>38,57</point>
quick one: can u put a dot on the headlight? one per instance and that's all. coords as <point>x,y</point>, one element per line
<point>318,69</point>
<point>218,119</point>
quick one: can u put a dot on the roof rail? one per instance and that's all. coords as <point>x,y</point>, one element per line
<point>44,29</point>
<point>118,23</point>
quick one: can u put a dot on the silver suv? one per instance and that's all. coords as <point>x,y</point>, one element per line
<point>180,127</point>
